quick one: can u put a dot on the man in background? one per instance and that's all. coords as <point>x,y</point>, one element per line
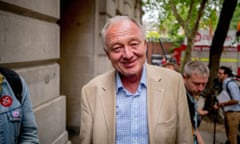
<point>229,100</point>
<point>195,76</point>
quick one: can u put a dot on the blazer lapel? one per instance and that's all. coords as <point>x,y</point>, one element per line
<point>154,102</point>
<point>108,101</point>
<point>155,99</point>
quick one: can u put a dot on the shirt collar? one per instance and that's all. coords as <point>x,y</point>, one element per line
<point>227,79</point>
<point>190,96</point>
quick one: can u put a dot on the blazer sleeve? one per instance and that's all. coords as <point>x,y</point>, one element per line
<point>86,119</point>
<point>185,135</point>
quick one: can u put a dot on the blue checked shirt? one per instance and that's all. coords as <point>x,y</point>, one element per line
<point>234,92</point>
<point>131,113</point>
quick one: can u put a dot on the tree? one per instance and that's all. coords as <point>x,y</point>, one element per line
<point>185,13</point>
<point>191,14</point>
<point>190,30</point>
<point>235,19</point>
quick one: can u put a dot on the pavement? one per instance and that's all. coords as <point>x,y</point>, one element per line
<point>207,129</point>
<point>207,132</point>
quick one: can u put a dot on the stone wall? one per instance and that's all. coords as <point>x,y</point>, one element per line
<point>57,54</point>
<point>30,44</point>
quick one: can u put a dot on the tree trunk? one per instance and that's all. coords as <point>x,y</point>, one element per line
<point>188,52</point>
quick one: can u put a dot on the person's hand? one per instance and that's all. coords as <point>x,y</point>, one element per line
<point>216,106</point>
<point>199,137</point>
<point>220,105</point>
<point>202,112</point>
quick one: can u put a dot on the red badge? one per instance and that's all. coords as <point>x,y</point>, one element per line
<point>6,101</point>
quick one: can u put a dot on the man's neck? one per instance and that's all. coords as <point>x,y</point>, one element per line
<point>131,82</point>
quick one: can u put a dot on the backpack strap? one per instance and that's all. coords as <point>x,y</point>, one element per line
<point>14,81</point>
<point>228,91</point>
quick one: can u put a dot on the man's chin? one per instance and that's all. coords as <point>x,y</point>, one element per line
<point>197,94</point>
<point>129,73</point>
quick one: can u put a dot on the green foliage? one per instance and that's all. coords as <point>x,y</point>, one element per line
<point>236,18</point>
<point>178,40</point>
<point>153,36</point>
<point>162,10</point>
<point>211,15</point>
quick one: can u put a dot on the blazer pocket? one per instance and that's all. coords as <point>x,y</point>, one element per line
<point>167,120</point>
<point>165,130</point>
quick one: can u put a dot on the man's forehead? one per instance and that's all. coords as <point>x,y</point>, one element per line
<point>197,74</point>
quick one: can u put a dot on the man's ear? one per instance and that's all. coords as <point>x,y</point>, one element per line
<point>146,46</point>
<point>106,52</point>
<point>145,43</point>
<point>184,76</point>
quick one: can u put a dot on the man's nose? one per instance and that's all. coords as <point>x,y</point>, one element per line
<point>201,87</point>
<point>127,52</point>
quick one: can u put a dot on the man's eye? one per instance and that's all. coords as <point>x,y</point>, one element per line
<point>116,49</point>
<point>134,44</point>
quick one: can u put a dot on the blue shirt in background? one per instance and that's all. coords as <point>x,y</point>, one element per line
<point>234,93</point>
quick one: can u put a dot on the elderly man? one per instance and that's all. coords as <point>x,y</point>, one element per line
<point>136,103</point>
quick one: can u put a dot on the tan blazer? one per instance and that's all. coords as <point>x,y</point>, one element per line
<point>168,115</point>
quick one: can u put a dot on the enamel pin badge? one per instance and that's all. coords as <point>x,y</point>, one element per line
<point>6,101</point>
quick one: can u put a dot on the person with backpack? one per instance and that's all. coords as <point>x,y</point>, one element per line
<point>229,100</point>
<point>17,120</point>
